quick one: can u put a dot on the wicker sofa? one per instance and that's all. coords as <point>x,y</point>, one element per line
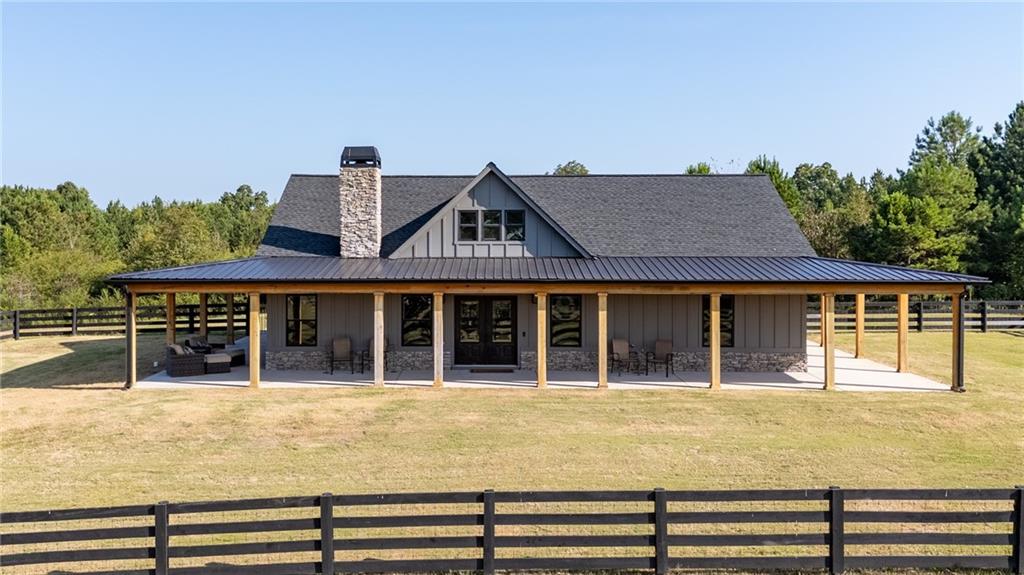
<point>181,361</point>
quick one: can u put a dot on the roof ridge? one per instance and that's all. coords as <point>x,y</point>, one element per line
<point>649,175</point>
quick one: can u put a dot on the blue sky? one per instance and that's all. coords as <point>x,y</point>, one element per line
<point>187,101</point>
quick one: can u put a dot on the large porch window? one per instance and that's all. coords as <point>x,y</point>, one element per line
<point>417,325</point>
<point>727,320</point>
<point>566,321</point>
<point>300,320</point>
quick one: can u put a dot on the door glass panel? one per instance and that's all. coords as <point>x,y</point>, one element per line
<point>501,321</point>
<point>469,321</point>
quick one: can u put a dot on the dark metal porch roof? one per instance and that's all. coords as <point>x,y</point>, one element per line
<point>664,269</point>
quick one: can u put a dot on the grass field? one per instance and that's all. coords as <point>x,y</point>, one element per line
<point>72,437</point>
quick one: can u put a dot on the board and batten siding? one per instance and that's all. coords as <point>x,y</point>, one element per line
<point>764,323</point>
<point>440,238</point>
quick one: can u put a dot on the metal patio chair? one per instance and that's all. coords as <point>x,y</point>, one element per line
<point>623,357</point>
<point>341,353</point>
<point>662,355</point>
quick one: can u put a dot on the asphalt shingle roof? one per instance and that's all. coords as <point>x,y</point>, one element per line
<point>609,215</point>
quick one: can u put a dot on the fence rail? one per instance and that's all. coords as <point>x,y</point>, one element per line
<point>108,320</point>
<point>925,315</point>
<point>979,315</point>
<point>656,533</point>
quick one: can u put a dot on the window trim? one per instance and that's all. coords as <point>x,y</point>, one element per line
<point>705,307</point>
<point>485,226</point>
<point>298,321</point>
<point>459,226</point>
<point>551,323</point>
<point>402,320</point>
<point>502,228</point>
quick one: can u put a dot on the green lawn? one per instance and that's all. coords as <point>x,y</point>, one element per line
<point>71,437</point>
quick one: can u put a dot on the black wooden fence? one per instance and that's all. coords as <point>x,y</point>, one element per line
<point>878,316</point>
<point>831,526</point>
<point>925,315</point>
<point>109,320</point>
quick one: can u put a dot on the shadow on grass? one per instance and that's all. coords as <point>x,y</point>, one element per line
<point>87,363</point>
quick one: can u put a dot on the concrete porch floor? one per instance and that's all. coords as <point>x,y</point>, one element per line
<point>851,375</point>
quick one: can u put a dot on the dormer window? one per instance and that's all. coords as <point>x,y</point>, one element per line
<point>515,225</point>
<point>492,225</point>
<point>467,226</point>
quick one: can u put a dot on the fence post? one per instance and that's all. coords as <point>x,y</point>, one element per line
<point>836,543</point>
<point>489,532</point>
<point>191,319</point>
<point>984,316</point>
<point>660,531</point>
<point>17,324</point>
<point>161,538</point>
<point>327,534</point>
<point>74,320</point>
<point>920,316</point>
<point>1018,530</point>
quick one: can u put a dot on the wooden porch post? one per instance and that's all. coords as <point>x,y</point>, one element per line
<point>542,340</point>
<point>378,339</point>
<point>858,337</point>
<point>203,315</point>
<point>715,347</point>
<point>229,302</point>
<point>438,330</point>
<point>170,318</point>
<point>130,342</point>
<point>821,321</point>
<point>602,340</point>
<point>828,325</point>
<point>958,343</point>
<point>902,327</point>
<point>254,340</point>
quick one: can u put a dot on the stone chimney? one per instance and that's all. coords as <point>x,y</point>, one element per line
<point>359,189</point>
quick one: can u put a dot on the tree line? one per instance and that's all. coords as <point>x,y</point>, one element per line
<point>57,247</point>
<point>958,206</point>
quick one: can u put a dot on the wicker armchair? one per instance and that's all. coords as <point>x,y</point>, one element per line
<point>662,355</point>
<point>622,357</point>
<point>181,362</point>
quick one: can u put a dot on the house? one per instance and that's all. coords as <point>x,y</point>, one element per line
<point>537,272</point>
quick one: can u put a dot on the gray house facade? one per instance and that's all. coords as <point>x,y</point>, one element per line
<point>534,272</point>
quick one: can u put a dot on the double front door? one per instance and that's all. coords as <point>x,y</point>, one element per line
<point>485,330</point>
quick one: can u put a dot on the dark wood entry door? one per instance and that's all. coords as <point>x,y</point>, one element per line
<point>485,330</point>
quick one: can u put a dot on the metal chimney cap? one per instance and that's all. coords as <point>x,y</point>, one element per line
<point>360,156</point>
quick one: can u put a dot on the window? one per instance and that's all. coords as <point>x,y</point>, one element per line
<point>515,225</point>
<point>566,321</point>
<point>417,325</point>
<point>492,226</point>
<point>300,320</point>
<point>467,226</point>
<point>727,320</point>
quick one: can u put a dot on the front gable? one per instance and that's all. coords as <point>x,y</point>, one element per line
<point>490,191</point>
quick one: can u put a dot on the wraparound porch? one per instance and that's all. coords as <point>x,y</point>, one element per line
<point>852,374</point>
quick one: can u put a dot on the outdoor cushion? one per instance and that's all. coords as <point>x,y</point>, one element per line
<point>218,358</point>
<point>177,349</point>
